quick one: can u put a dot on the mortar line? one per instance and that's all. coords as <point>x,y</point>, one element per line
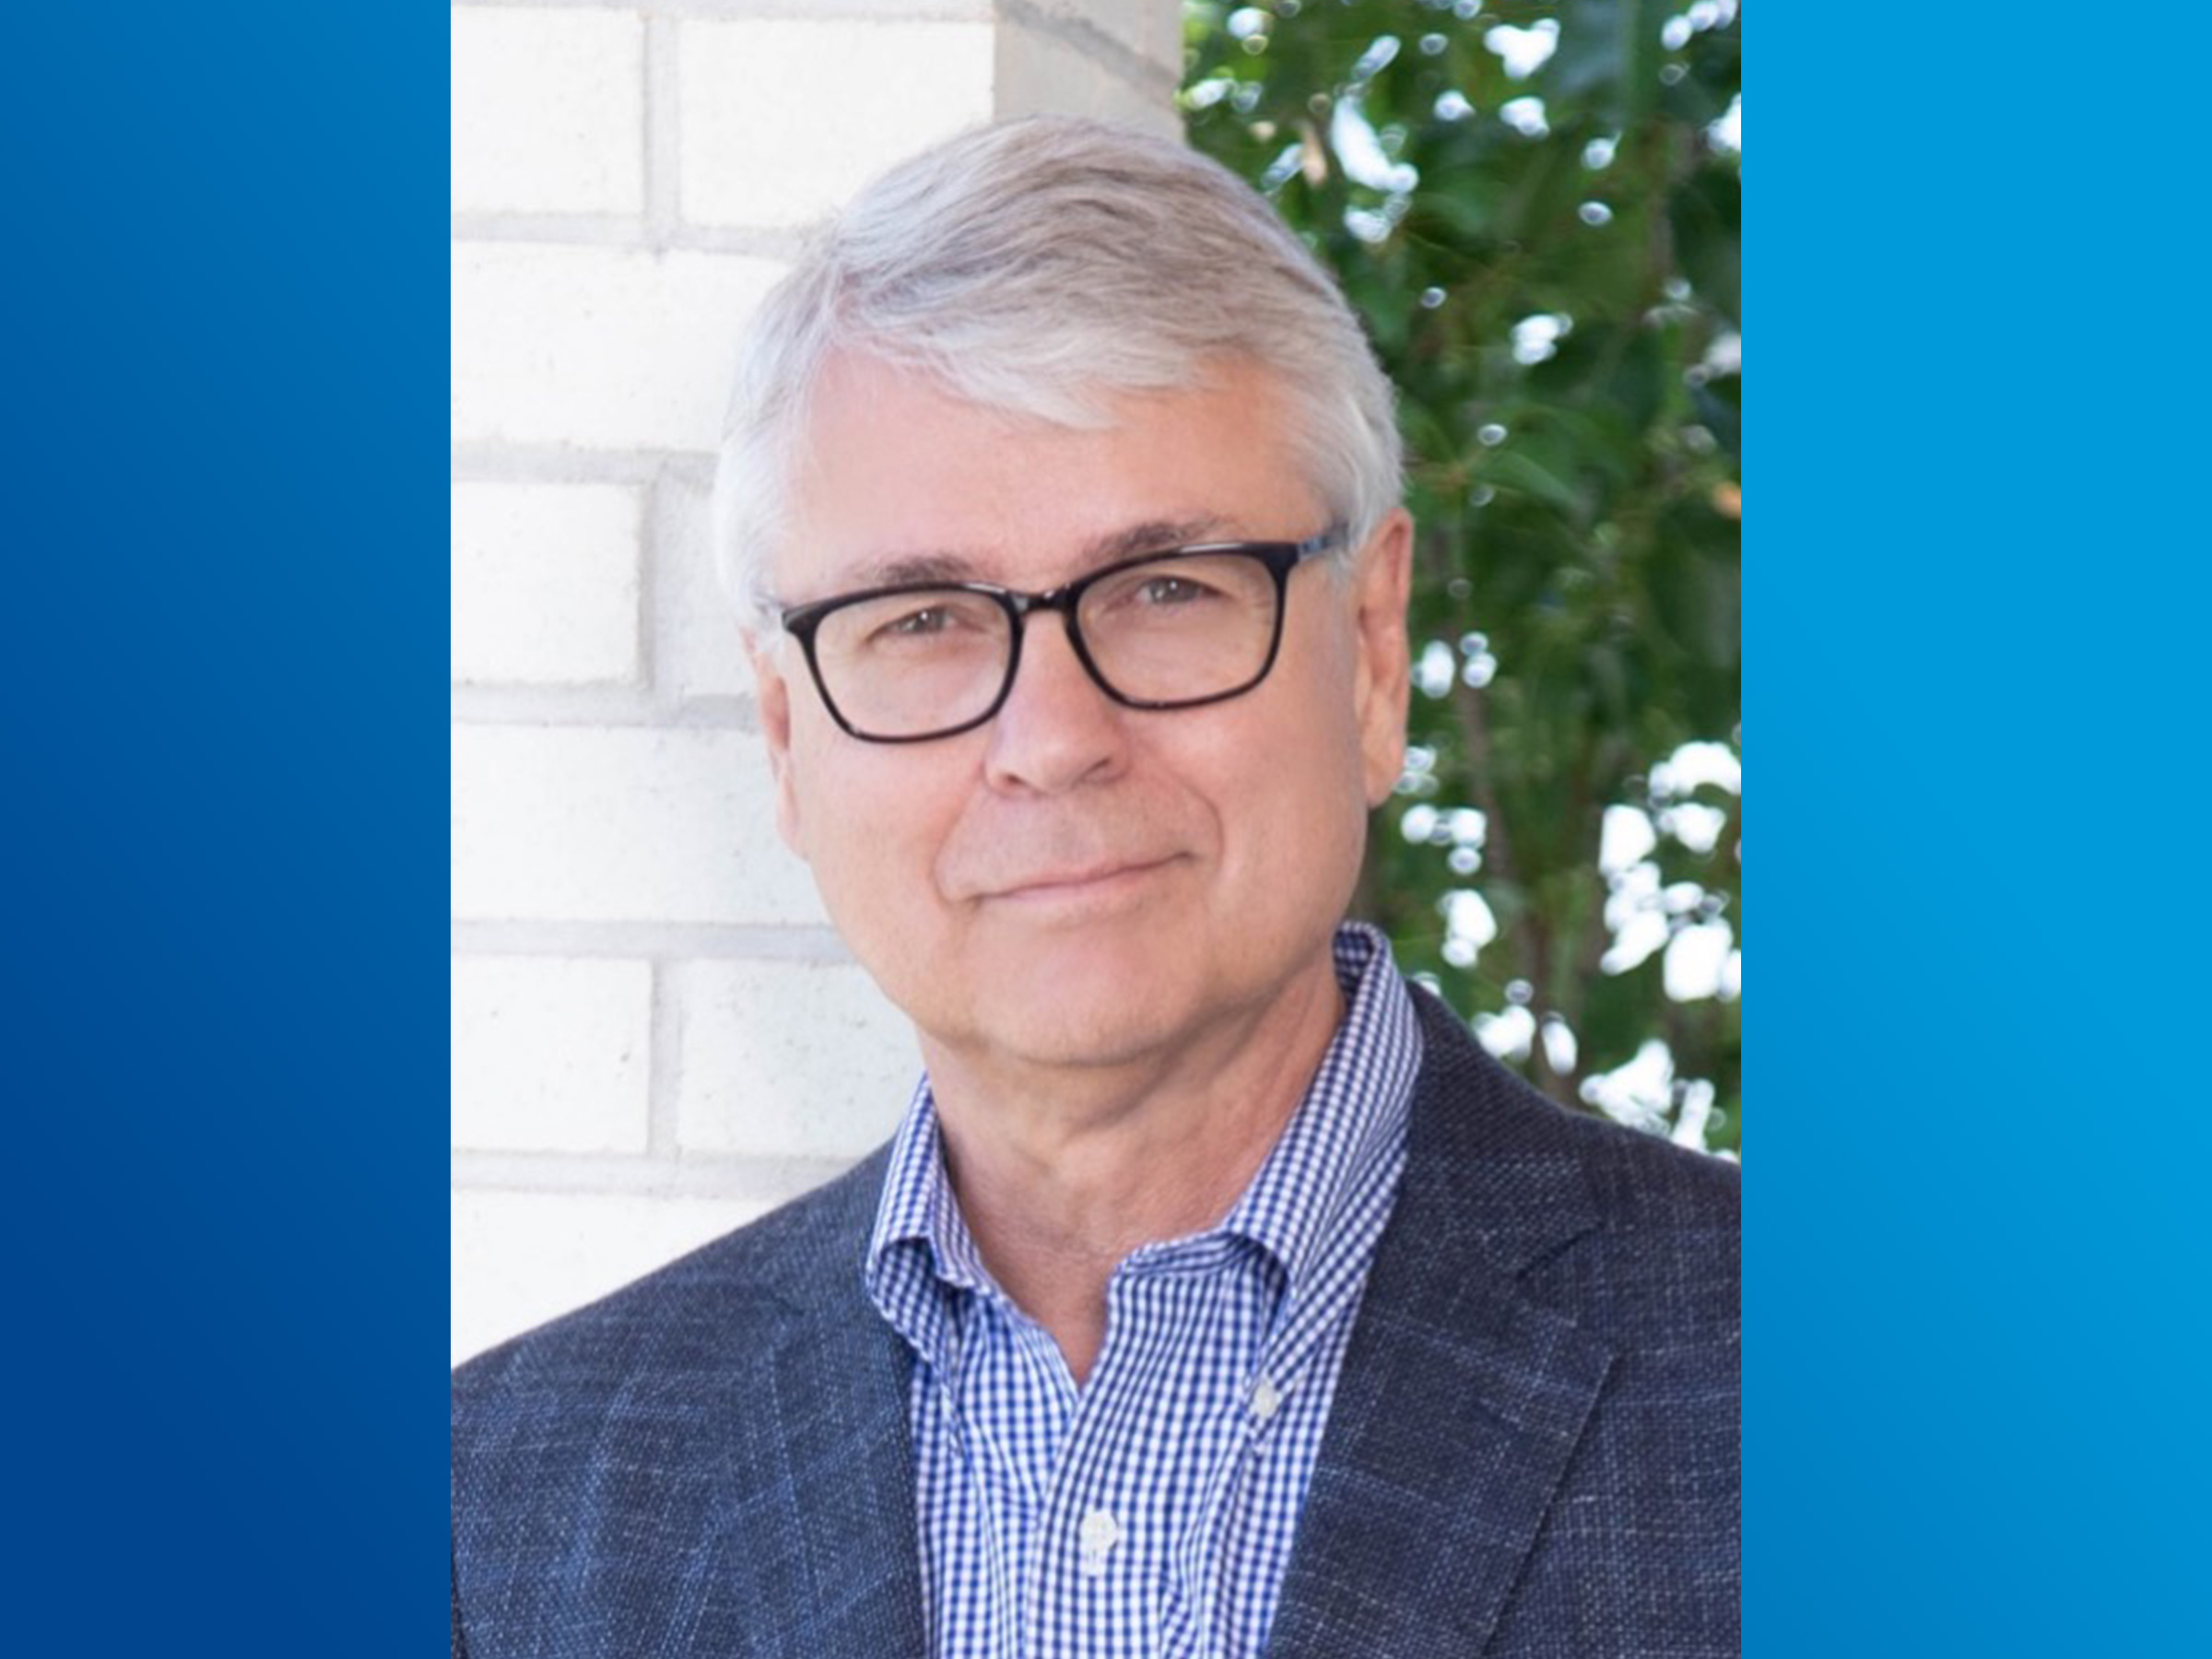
<point>654,656</point>
<point>663,128</point>
<point>745,1179</point>
<point>491,461</point>
<point>618,707</point>
<point>628,233</point>
<point>650,941</point>
<point>663,1077</point>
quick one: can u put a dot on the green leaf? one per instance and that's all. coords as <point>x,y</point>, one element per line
<point>1586,545</point>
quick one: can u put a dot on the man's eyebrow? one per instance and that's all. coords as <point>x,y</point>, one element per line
<point>902,568</point>
<point>1150,536</point>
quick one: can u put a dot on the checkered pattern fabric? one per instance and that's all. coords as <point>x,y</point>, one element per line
<point>1152,1512</point>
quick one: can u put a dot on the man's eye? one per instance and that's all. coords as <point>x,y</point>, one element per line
<point>930,619</point>
<point>939,621</point>
<point>1171,590</point>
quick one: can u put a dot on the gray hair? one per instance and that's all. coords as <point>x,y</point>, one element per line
<point>1041,267</point>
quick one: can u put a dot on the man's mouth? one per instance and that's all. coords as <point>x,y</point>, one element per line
<point>1077,882</point>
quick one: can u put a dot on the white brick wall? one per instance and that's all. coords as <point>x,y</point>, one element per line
<point>521,1258</point>
<point>545,583</point>
<point>549,1056</point>
<point>548,110</point>
<point>702,654</point>
<point>1090,57</point>
<point>789,90</point>
<point>618,823</point>
<point>1152,34</point>
<point>801,1062</point>
<point>616,348</point>
<point>655,1035</point>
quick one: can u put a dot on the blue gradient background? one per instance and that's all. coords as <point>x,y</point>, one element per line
<point>224,612</point>
<point>1976,1311</point>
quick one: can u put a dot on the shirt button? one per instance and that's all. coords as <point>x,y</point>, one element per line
<point>1098,1534</point>
<point>1265,1398</point>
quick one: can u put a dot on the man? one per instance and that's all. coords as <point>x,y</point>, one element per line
<point>1218,1296</point>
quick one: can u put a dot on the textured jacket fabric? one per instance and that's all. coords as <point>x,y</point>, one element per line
<point>1532,1450</point>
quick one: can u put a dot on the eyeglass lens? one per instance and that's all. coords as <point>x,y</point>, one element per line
<point>1180,628</point>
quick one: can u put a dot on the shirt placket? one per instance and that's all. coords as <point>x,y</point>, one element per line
<point>1246,1408</point>
<point>1121,1501</point>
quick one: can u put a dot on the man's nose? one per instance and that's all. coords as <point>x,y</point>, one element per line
<point>1057,727</point>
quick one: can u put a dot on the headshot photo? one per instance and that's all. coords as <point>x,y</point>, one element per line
<point>1096,834</point>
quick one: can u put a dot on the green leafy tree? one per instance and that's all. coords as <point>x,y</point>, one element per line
<point>1534,207</point>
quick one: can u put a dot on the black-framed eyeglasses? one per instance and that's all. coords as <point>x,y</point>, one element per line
<point>1171,629</point>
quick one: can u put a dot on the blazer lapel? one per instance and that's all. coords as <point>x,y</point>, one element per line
<point>1461,1400</point>
<point>815,1553</point>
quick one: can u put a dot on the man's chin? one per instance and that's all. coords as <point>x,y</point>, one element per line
<point>1064,1016</point>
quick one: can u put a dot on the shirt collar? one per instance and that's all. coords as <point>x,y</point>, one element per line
<point>918,1207</point>
<point>1351,1122</point>
<point>920,1249</point>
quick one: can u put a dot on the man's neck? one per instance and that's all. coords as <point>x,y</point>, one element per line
<point>1060,1175</point>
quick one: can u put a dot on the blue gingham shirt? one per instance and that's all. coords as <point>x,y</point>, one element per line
<point>1152,1511</point>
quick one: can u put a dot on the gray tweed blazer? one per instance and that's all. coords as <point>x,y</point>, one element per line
<point>1532,1450</point>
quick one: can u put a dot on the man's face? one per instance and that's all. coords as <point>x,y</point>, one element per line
<point>1075,882</point>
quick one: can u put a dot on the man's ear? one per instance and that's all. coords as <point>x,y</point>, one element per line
<point>1383,668</point>
<point>771,694</point>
